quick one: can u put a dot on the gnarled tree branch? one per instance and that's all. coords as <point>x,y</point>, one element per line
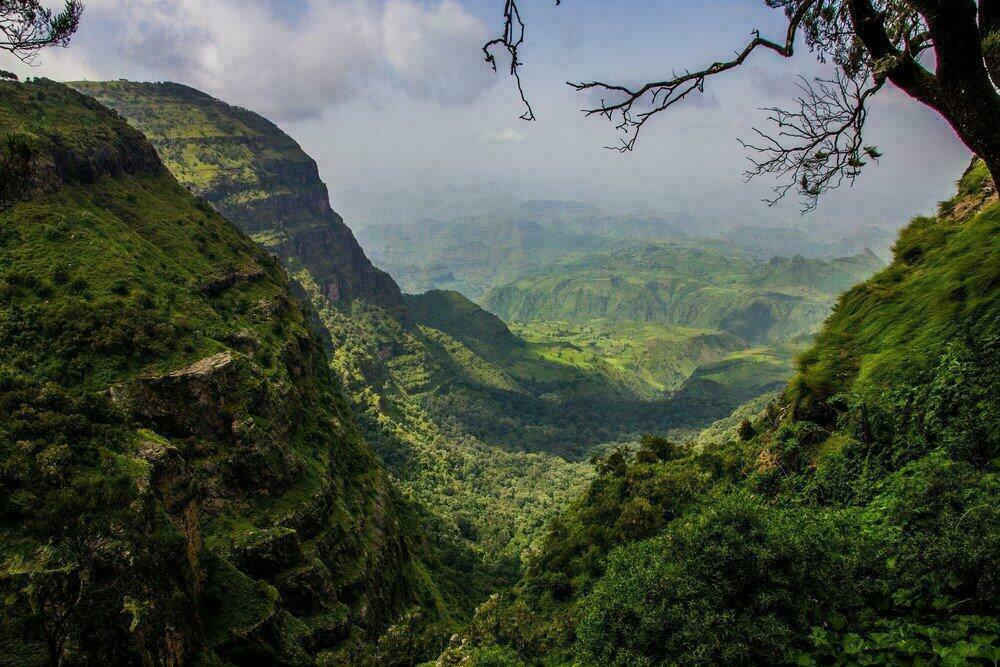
<point>510,41</point>
<point>636,106</point>
<point>820,145</point>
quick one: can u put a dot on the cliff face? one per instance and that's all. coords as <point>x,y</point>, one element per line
<point>256,176</point>
<point>180,477</point>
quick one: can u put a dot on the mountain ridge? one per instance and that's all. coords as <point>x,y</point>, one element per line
<point>270,188</point>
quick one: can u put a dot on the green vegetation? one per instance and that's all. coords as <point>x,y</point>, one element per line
<point>686,283</point>
<point>482,502</point>
<point>465,413</point>
<point>852,520</point>
<point>256,176</point>
<point>181,478</point>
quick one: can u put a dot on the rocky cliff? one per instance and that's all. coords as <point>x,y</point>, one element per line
<point>180,477</point>
<point>256,176</point>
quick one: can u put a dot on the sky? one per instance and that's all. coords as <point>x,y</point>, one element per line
<point>393,95</point>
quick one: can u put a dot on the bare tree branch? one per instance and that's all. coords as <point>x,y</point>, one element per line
<point>510,41</point>
<point>820,145</point>
<point>657,96</point>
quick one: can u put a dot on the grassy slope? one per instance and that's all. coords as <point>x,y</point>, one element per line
<point>686,283</point>
<point>112,277</point>
<point>877,469</point>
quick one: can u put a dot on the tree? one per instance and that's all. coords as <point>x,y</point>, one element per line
<point>26,26</point>
<point>17,170</point>
<point>943,53</point>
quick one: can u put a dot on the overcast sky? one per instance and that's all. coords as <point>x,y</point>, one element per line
<point>393,95</point>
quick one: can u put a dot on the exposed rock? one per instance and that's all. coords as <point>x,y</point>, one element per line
<point>202,388</point>
<point>220,284</point>
<point>267,552</point>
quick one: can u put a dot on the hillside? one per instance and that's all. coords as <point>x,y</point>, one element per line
<point>410,387</point>
<point>875,469</point>
<point>686,283</point>
<point>256,176</point>
<point>182,480</point>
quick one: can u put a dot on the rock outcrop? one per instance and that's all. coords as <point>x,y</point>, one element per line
<point>256,176</point>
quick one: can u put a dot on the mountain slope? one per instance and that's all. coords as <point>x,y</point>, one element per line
<point>482,502</point>
<point>181,478</point>
<point>877,469</point>
<point>687,283</point>
<point>256,176</point>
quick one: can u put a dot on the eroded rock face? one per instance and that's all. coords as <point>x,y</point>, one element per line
<point>261,180</point>
<point>218,402</point>
<point>204,389</point>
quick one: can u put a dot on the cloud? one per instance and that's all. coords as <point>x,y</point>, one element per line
<point>436,51</point>
<point>286,62</point>
<point>506,136</point>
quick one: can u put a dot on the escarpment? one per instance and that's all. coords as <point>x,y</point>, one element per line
<point>181,478</point>
<point>256,176</point>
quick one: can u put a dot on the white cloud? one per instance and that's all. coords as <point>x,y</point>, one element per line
<point>254,53</point>
<point>505,136</point>
<point>436,51</point>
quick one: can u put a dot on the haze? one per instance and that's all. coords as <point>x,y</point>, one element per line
<point>393,95</point>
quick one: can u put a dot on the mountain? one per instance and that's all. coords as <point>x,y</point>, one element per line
<point>182,479</point>
<point>763,243</point>
<point>471,255</point>
<point>684,282</point>
<point>411,387</point>
<point>876,469</point>
<point>256,176</point>
<point>486,430</point>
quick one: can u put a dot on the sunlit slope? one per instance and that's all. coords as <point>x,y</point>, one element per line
<point>687,283</point>
<point>256,176</point>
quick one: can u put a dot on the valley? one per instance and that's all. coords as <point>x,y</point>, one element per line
<point>488,427</point>
<point>344,355</point>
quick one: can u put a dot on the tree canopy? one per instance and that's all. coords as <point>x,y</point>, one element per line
<point>26,26</point>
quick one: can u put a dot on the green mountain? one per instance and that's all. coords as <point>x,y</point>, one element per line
<point>256,176</point>
<point>408,385</point>
<point>473,420</point>
<point>686,283</point>
<point>474,254</point>
<point>853,520</point>
<point>182,479</point>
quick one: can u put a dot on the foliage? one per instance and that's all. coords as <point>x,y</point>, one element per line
<point>876,470</point>
<point>27,26</point>
<point>182,478</point>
